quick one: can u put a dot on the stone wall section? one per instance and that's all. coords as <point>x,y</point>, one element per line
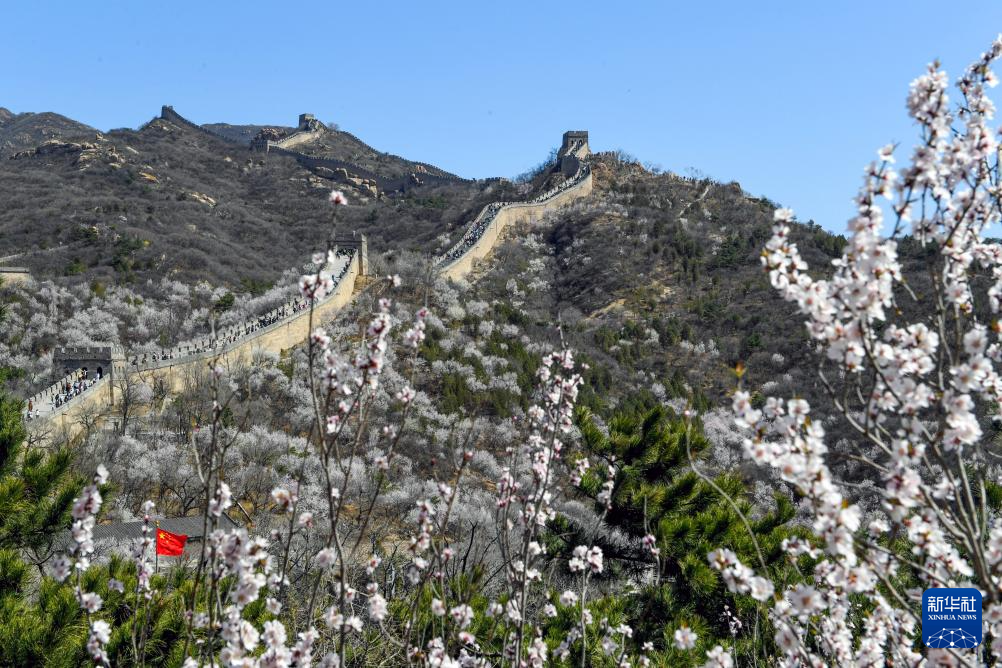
<point>241,343</point>
<point>181,363</point>
<point>167,113</point>
<point>300,137</point>
<point>311,129</point>
<point>67,422</point>
<point>456,266</point>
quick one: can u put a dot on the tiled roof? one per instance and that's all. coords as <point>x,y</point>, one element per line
<point>190,526</point>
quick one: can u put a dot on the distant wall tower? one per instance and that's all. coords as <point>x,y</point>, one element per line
<point>306,121</point>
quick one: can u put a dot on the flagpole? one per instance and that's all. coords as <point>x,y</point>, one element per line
<point>156,549</point>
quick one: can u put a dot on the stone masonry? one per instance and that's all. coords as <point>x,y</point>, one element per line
<point>177,367</point>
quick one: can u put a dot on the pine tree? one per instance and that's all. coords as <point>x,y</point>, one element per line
<point>41,621</point>
<point>657,491</point>
<point>36,493</point>
<point>36,488</point>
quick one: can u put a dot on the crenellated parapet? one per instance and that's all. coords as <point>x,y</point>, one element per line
<point>109,351</point>
<point>310,129</point>
<point>92,372</point>
<point>231,338</point>
<point>57,397</point>
<point>313,161</point>
<point>167,113</point>
<point>485,230</point>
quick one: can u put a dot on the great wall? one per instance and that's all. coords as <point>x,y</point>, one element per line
<point>57,415</point>
<point>310,129</point>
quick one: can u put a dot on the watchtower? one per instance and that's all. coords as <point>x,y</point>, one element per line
<point>307,121</point>
<point>98,360</point>
<point>360,244</point>
<point>575,143</point>
<point>573,150</point>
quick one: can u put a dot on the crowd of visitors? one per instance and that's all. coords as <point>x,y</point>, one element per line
<point>235,333</point>
<point>490,212</point>
<point>224,338</point>
<point>575,145</point>
<point>69,387</point>
<point>80,381</point>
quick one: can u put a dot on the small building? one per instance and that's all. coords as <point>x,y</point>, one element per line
<point>191,526</point>
<point>11,275</point>
<point>121,536</point>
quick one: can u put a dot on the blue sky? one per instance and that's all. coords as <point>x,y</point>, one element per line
<point>791,99</point>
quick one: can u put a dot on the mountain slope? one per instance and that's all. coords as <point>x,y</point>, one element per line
<point>656,279</point>
<point>169,200</point>
<point>19,132</point>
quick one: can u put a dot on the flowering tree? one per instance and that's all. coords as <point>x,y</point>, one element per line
<point>342,572</point>
<point>909,357</point>
<point>327,581</point>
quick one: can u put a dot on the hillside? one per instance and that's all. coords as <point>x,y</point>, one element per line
<point>346,146</point>
<point>274,396</point>
<point>169,200</point>
<point>331,142</point>
<point>170,240</point>
<point>19,132</point>
<point>655,277</point>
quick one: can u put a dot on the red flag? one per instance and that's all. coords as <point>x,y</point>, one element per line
<point>170,544</point>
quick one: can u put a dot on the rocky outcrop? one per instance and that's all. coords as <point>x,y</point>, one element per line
<point>368,187</point>
<point>201,198</point>
<point>21,132</point>
<point>82,154</point>
<point>268,134</point>
<point>365,186</point>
